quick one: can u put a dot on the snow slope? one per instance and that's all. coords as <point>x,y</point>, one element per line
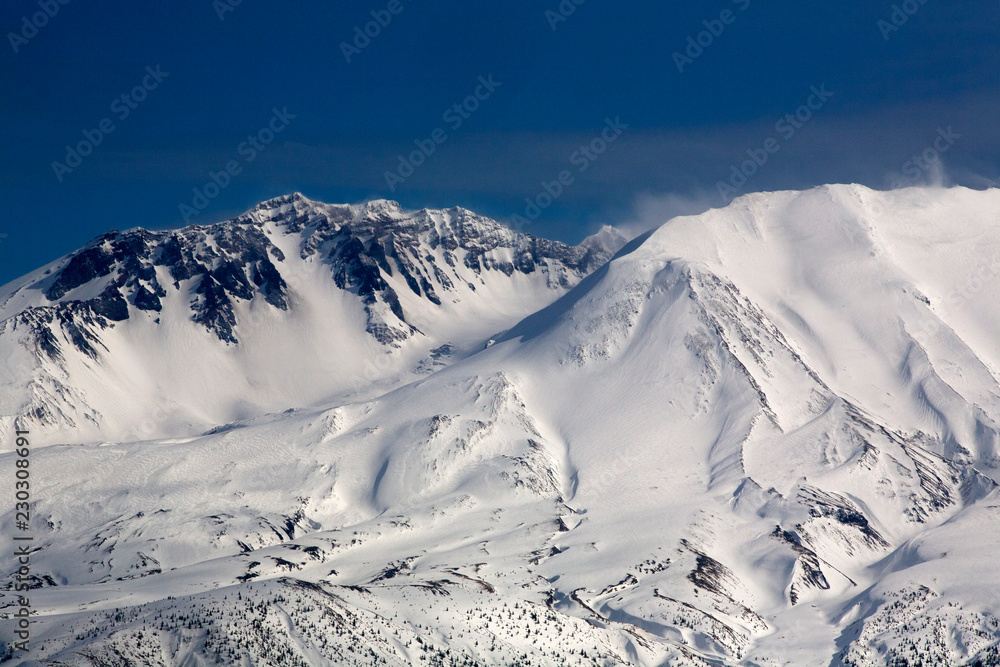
<point>765,435</point>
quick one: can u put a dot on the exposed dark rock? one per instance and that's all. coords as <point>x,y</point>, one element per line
<point>87,265</point>
<point>214,309</point>
<point>146,300</point>
<point>841,510</point>
<point>812,572</point>
<point>233,279</point>
<point>111,305</point>
<point>267,278</point>
<point>710,575</point>
<point>236,260</point>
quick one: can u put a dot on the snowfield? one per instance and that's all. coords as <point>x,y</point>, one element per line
<point>765,435</point>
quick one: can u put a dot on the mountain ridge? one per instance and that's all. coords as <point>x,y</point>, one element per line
<point>395,269</point>
<point>761,436</point>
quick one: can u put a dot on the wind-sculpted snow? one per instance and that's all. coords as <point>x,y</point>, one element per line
<point>762,436</point>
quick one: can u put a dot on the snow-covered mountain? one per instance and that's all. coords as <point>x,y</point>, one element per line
<point>765,435</point>
<point>144,334</point>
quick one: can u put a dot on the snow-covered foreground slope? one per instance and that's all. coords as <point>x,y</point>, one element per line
<point>766,435</point>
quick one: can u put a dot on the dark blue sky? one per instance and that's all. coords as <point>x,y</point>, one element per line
<point>894,91</point>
